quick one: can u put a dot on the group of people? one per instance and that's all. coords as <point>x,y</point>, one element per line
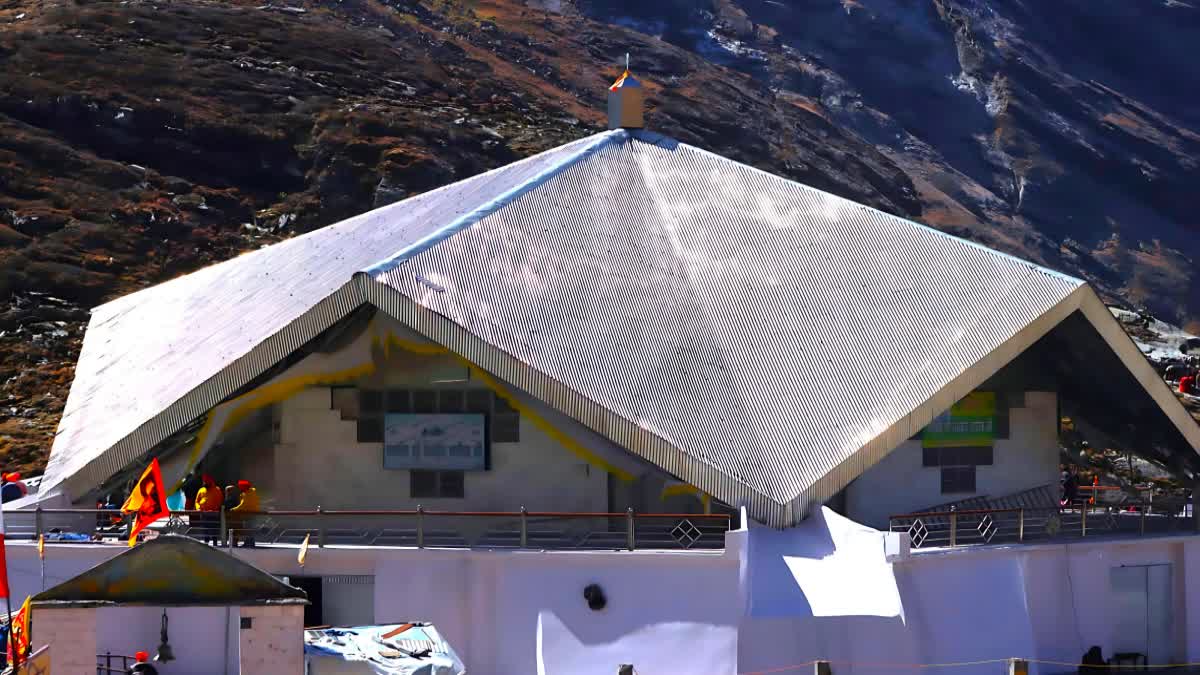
<point>1186,375</point>
<point>203,493</point>
<point>12,487</point>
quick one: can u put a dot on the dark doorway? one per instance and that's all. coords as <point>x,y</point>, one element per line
<point>312,611</point>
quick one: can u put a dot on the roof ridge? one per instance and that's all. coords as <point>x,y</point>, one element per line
<point>593,144</point>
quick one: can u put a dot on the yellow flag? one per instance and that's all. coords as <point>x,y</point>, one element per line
<point>303,551</point>
<point>42,546</point>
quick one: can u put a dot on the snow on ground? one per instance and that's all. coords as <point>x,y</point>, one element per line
<point>1158,340</point>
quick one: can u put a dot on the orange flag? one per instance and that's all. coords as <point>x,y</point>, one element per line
<point>303,556</point>
<point>20,628</point>
<point>148,501</point>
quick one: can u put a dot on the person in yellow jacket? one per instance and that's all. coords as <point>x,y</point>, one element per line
<point>248,506</point>
<point>208,501</point>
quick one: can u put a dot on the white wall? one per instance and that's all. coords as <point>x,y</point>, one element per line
<point>899,483</point>
<point>1043,601</point>
<point>197,636</point>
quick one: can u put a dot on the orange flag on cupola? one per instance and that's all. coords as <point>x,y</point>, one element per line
<point>148,500</point>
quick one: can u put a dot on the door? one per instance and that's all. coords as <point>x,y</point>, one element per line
<point>1142,611</point>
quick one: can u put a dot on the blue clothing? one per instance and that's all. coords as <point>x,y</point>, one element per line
<point>10,492</point>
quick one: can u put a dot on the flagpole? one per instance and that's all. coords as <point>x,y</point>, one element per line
<point>12,636</point>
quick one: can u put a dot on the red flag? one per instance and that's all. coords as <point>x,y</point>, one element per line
<point>148,501</point>
<point>3,562</point>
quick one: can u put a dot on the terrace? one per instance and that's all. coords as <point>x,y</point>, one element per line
<point>419,528</point>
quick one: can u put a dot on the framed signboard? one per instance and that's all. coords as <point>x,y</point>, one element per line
<point>432,441</point>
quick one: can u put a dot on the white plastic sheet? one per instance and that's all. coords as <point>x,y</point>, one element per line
<point>363,650</point>
<point>828,565</point>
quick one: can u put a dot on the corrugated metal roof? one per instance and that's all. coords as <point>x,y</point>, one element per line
<point>762,328</point>
<point>145,352</point>
<point>761,339</point>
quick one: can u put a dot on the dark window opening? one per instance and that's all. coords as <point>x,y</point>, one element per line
<point>958,479</point>
<point>1000,428</point>
<point>346,401</point>
<point>966,456</point>
<point>436,484</point>
<point>370,408</point>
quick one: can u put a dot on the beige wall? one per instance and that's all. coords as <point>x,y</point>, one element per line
<point>319,462</point>
<point>71,635</point>
<point>312,457</point>
<point>274,643</point>
<point>899,483</point>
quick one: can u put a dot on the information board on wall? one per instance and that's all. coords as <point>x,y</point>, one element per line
<point>412,441</point>
<point>969,423</point>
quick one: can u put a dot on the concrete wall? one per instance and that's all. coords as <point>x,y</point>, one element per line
<point>899,483</point>
<point>318,461</point>
<point>197,634</point>
<point>518,612</point>
<point>71,635</point>
<point>274,642</point>
<point>1046,602</point>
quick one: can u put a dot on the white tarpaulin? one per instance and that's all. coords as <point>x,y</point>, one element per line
<point>827,565</point>
<point>363,650</point>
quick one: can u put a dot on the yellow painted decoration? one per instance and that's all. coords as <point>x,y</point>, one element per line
<point>501,391</point>
<point>234,411</point>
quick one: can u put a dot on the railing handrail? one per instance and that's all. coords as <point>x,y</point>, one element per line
<point>969,512</point>
<point>409,512</point>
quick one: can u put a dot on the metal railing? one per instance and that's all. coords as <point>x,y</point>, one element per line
<point>105,663</point>
<point>419,528</point>
<point>994,526</point>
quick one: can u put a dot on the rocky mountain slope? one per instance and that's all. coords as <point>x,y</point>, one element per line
<point>141,139</point>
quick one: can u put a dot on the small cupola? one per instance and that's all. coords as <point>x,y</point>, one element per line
<point>626,99</point>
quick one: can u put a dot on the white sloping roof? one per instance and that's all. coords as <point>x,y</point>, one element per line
<point>144,352</point>
<point>765,341</point>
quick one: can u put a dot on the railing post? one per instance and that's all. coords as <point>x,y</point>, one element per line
<point>1083,520</point>
<point>320,527</point>
<point>630,533</point>
<point>420,526</point>
<point>1020,524</point>
<point>822,668</point>
<point>1142,520</point>
<point>37,522</point>
<point>953,528</point>
<point>224,527</point>
<point>524,527</point>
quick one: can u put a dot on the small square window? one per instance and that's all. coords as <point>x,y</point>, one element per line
<point>370,401</point>
<point>479,401</point>
<point>345,400</point>
<point>450,401</point>
<point>370,430</point>
<point>506,428</point>
<point>246,622</point>
<point>958,479</point>
<point>436,484</point>
<point>398,401</point>
<point>424,401</point>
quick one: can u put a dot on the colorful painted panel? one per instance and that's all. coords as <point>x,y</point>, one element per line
<point>970,422</point>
